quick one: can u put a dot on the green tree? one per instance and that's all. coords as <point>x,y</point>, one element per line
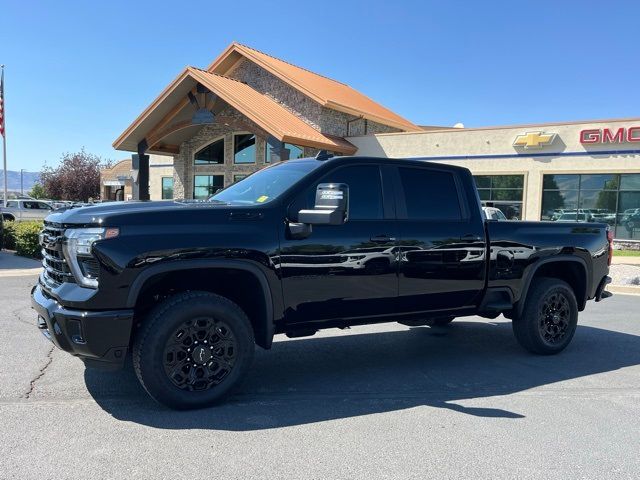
<point>607,197</point>
<point>37,191</point>
<point>552,198</point>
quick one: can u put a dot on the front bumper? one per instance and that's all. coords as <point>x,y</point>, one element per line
<point>99,338</point>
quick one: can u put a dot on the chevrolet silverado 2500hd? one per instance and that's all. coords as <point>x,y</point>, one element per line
<point>190,288</point>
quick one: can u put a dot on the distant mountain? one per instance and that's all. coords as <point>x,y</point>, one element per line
<point>29,178</point>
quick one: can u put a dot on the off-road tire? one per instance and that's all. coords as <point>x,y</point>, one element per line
<point>161,323</point>
<point>531,327</point>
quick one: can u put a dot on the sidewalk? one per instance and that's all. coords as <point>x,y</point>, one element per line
<point>12,265</point>
<point>620,260</point>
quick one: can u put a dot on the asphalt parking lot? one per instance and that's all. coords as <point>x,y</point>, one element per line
<point>383,401</point>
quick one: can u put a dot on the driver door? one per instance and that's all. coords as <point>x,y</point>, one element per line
<point>343,271</point>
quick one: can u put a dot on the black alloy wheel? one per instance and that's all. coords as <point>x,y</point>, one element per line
<point>192,349</point>
<point>554,317</point>
<point>549,317</point>
<point>199,354</point>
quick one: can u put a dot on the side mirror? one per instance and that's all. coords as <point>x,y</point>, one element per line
<point>331,207</point>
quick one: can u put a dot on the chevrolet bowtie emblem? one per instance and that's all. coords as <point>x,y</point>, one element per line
<point>534,140</point>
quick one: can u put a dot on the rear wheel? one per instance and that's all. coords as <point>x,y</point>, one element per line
<point>193,349</point>
<point>549,318</point>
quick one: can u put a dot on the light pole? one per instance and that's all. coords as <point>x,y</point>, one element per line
<point>21,183</point>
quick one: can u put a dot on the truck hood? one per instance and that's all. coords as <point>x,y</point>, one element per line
<point>128,212</point>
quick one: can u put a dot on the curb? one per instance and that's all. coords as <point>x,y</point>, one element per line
<point>625,260</point>
<point>624,289</point>
<point>19,272</point>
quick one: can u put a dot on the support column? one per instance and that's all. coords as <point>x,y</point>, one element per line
<point>181,173</point>
<point>140,187</point>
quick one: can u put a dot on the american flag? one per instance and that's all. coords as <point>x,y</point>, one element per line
<point>2,104</point>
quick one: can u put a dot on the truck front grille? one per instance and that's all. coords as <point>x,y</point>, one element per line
<point>53,261</point>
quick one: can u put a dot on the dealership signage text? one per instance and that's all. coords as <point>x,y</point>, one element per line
<point>608,135</point>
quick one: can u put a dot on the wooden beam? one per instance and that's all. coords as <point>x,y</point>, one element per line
<point>174,149</point>
<point>167,119</point>
<point>159,135</point>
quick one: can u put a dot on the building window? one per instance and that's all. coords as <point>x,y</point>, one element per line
<point>212,154</point>
<point>503,192</point>
<point>237,178</point>
<point>167,188</point>
<point>282,151</point>
<point>244,148</point>
<point>206,185</point>
<point>608,198</point>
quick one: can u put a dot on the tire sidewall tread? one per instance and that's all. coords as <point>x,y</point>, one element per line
<point>150,341</point>
<point>525,326</point>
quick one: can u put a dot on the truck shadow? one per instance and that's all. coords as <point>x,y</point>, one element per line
<point>318,379</point>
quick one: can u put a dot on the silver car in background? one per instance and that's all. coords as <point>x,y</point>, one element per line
<point>21,210</point>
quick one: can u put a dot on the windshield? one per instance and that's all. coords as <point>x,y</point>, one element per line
<point>266,184</point>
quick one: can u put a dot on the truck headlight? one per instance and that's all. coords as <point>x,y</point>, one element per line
<point>77,248</point>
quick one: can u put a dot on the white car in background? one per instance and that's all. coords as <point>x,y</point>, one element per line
<point>20,210</point>
<point>493,213</point>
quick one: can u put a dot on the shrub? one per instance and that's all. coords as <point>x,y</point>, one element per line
<point>9,234</point>
<point>26,234</point>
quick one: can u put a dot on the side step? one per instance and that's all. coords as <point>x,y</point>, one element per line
<point>303,332</point>
<point>495,302</point>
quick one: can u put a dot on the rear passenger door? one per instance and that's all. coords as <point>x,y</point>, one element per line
<point>442,242</point>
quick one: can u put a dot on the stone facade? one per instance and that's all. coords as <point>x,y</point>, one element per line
<point>184,165</point>
<point>326,120</point>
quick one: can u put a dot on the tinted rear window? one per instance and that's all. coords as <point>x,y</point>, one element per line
<point>430,194</point>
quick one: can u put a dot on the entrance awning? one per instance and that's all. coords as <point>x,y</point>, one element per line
<point>169,120</point>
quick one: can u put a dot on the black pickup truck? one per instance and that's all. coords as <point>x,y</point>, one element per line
<point>302,245</point>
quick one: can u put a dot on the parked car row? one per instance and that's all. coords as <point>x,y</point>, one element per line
<point>629,218</point>
<point>30,209</point>
<point>19,210</point>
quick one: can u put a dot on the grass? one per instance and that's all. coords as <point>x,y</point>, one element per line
<point>626,253</point>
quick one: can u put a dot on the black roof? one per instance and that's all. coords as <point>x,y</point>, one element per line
<point>356,159</point>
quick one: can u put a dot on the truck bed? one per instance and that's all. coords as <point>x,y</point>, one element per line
<point>518,248</point>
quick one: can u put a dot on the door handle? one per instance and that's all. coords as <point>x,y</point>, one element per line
<point>382,239</point>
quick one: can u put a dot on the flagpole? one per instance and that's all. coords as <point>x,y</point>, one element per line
<point>4,138</point>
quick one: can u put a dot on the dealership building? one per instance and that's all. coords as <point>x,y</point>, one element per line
<point>212,127</point>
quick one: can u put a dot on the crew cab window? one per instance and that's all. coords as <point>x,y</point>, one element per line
<point>365,191</point>
<point>12,204</point>
<point>430,194</point>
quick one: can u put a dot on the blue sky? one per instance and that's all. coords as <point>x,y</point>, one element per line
<point>79,72</point>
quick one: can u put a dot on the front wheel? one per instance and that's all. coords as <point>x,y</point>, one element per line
<point>193,349</point>
<point>549,318</point>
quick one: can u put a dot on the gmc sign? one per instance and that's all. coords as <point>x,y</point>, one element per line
<point>606,135</point>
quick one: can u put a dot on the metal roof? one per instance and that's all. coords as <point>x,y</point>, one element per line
<point>326,91</point>
<point>257,107</point>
